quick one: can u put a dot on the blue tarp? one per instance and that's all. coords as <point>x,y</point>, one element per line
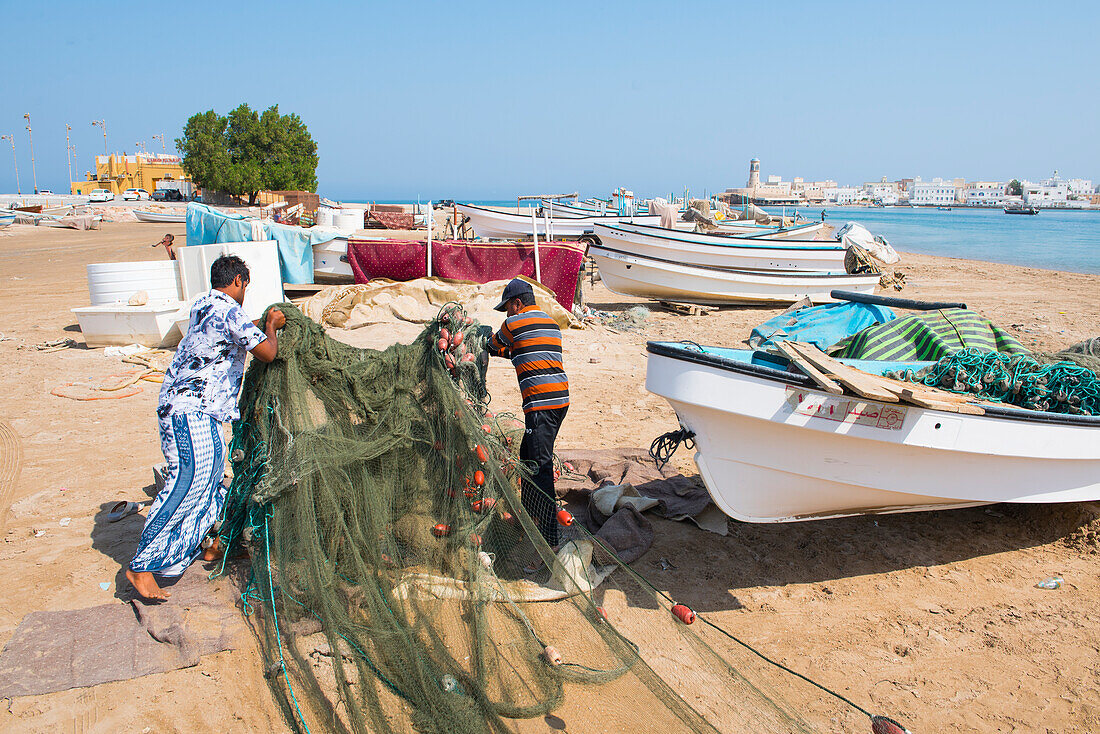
<point>822,326</point>
<point>207,226</point>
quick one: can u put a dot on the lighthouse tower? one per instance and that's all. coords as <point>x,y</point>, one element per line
<point>754,173</point>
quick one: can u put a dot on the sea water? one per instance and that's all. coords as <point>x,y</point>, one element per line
<point>1054,240</point>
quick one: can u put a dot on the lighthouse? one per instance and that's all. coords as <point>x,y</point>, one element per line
<point>754,173</point>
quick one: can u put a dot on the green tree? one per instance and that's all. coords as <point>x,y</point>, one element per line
<point>246,152</point>
<point>1015,187</point>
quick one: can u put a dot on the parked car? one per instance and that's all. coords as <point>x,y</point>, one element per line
<point>45,192</point>
<point>167,195</point>
<point>101,195</point>
<point>134,194</point>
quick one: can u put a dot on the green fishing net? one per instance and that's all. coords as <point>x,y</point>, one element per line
<point>396,582</point>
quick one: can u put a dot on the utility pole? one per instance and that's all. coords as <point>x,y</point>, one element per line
<point>15,162</point>
<point>34,174</point>
<point>68,155</point>
<point>102,124</point>
<point>160,136</point>
<point>72,147</point>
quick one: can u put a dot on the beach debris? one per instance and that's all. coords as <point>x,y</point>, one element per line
<point>64,522</point>
<point>666,565</point>
<point>1054,582</point>
<point>121,510</point>
<point>104,585</point>
<point>55,345</point>
<point>111,387</point>
<point>39,533</point>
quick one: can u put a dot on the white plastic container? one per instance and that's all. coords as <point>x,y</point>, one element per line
<point>265,285</point>
<point>348,220</point>
<point>118,325</point>
<point>324,216</point>
<point>110,283</point>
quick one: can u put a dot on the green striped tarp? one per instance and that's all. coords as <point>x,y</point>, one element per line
<point>927,336</point>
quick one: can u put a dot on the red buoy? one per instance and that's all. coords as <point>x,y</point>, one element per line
<point>441,530</point>
<point>468,357</point>
<point>475,539</point>
<point>482,456</point>
<point>487,428</point>
<point>483,505</point>
<point>456,339</point>
<point>565,518</point>
<point>683,613</point>
<point>479,478</point>
<point>444,335</point>
<point>601,614</point>
<point>449,361</point>
<point>442,344</point>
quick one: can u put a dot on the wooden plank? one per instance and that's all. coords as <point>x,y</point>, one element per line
<point>861,383</point>
<point>687,309</point>
<point>812,372</point>
<point>922,400</point>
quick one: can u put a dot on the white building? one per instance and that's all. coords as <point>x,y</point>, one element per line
<point>843,195</point>
<point>984,193</point>
<point>936,192</point>
<point>1057,193</point>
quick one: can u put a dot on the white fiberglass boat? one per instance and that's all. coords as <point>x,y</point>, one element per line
<point>501,224</point>
<point>722,251</point>
<point>160,216</point>
<point>660,279</point>
<point>330,261</point>
<point>772,447</point>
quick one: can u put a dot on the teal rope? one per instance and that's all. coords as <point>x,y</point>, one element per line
<point>278,637</point>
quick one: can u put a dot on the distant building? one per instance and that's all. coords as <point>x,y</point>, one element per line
<point>813,192</point>
<point>984,193</point>
<point>882,191</point>
<point>844,195</point>
<point>754,174</point>
<point>1057,193</point>
<point>775,192</point>
<point>116,173</point>
<point>936,192</point>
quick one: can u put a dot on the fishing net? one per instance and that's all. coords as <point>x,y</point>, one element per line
<point>1057,387</point>
<point>392,581</point>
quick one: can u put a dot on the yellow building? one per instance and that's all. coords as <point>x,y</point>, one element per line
<point>116,173</point>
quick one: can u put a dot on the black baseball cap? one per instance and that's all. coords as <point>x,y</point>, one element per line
<point>516,287</point>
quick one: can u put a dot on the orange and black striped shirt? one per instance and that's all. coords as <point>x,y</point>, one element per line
<point>532,340</point>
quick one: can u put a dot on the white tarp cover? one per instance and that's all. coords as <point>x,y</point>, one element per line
<point>854,233</point>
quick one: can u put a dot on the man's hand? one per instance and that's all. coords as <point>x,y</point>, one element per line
<point>275,319</point>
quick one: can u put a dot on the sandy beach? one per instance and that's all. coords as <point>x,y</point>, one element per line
<point>931,617</point>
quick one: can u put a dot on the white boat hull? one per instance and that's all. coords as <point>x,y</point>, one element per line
<point>160,217</point>
<point>330,260</point>
<point>630,275</point>
<point>496,224</point>
<point>773,452</point>
<point>805,231</point>
<point>721,252</point>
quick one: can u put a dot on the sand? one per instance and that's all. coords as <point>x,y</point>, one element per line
<point>932,618</point>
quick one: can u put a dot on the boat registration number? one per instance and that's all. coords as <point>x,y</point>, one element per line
<point>845,410</point>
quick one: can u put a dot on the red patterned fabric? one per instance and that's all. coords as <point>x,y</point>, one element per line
<point>392,220</point>
<point>480,262</point>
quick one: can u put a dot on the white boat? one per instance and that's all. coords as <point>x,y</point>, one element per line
<point>330,261</point>
<point>722,251</point>
<point>772,447</point>
<point>162,217</point>
<point>6,220</point>
<point>501,224</point>
<point>631,275</point>
<point>741,227</point>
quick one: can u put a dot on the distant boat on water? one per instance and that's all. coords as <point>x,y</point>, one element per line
<point>1021,209</point>
<point>943,208</point>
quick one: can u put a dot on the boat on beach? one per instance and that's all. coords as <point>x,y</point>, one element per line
<point>161,217</point>
<point>722,250</point>
<point>771,446</point>
<point>503,224</point>
<point>6,220</point>
<point>670,280</point>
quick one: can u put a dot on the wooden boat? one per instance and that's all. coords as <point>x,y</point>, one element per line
<point>722,251</point>
<point>502,224</point>
<point>1021,209</point>
<point>773,447</point>
<point>160,216</point>
<point>661,279</point>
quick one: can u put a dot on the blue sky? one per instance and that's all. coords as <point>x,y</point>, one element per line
<point>486,100</point>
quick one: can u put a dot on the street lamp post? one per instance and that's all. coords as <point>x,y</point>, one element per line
<point>68,155</point>
<point>34,174</point>
<point>160,136</point>
<point>15,162</point>
<point>102,124</point>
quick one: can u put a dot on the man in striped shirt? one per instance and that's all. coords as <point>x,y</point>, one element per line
<point>532,340</point>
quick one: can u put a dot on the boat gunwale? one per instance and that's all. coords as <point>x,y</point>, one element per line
<point>682,351</point>
<point>766,273</point>
<point>526,217</point>
<point>736,241</point>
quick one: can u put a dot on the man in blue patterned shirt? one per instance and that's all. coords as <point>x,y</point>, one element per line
<point>199,392</point>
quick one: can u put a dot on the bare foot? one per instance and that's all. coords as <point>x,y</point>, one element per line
<point>146,586</point>
<point>214,551</point>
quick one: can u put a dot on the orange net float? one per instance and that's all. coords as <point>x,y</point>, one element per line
<point>601,614</point>
<point>475,539</point>
<point>482,455</point>
<point>683,613</point>
<point>486,427</point>
<point>565,517</point>
<point>441,530</point>
<point>479,478</point>
<point>483,505</point>
<point>552,655</point>
<point>468,357</point>
<point>442,344</point>
<point>456,339</point>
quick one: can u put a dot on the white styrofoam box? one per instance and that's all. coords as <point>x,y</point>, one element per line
<point>265,285</point>
<point>330,259</point>
<point>153,325</point>
<point>115,282</point>
<point>324,216</point>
